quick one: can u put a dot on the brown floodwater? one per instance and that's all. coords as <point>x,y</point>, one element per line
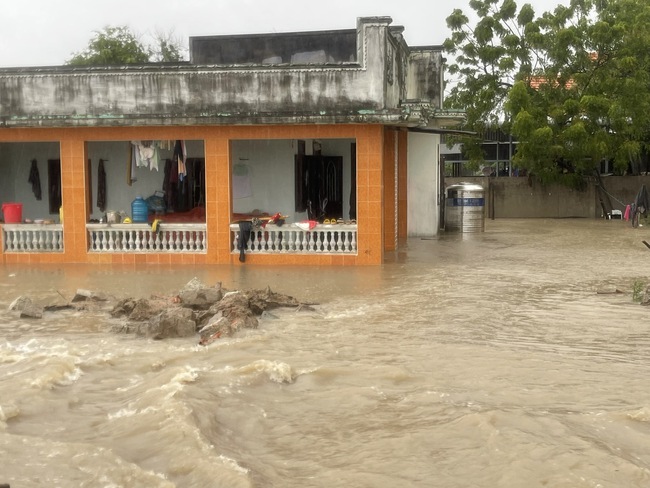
<point>477,360</point>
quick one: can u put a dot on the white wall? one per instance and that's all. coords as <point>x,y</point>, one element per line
<point>422,182</point>
<point>270,170</point>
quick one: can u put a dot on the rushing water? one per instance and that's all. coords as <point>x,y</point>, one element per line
<point>483,360</point>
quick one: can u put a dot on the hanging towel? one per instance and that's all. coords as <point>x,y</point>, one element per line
<point>101,186</point>
<point>180,155</point>
<point>626,216</point>
<point>35,180</point>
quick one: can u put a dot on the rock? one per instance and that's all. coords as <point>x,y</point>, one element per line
<point>231,314</point>
<point>20,303</point>
<point>200,298</point>
<point>193,284</point>
<point>84,295</point>
<point>140,310</point>
<point>123,308</point>
<point>261,301</point>
<point>27,308</point>
<point>32,312</point>
<point>143,311</point>
<point>171,322</point>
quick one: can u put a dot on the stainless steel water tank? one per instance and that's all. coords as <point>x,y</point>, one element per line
<point>465,208</point>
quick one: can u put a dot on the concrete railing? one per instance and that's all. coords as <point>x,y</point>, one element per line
<point>32,237</point>
<point>290,238</point>
<point>139,238</point>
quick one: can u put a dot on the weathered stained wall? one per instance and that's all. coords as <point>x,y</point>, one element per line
<point>424,80</point>
<point>368,90</point>
<point>521,198</point>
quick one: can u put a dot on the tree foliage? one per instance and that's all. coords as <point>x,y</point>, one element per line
<point>119,46</point>
<point>572,85</point>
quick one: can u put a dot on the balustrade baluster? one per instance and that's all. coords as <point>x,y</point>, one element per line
<point>157,245</point>
<point>306,241</point>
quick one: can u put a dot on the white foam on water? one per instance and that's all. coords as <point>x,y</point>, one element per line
<point>276,371</point>
<point>640,415</point>
<point>178,382</point>
<point>232,464</point>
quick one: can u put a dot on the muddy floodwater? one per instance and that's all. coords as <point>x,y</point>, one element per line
<point>482,360</point>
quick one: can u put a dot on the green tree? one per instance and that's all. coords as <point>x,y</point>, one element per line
<point>112,46</point>
<point>488,56</point>
<point>119,46</point>
<point>571,86</point>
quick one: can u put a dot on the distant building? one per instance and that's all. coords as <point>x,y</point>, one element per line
<point>498,150</point>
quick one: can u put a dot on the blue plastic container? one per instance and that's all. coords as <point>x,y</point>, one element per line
<point>139,210</point>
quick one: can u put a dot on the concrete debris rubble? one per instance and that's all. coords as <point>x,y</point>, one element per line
<point>83,295</point>
<point>197,309</point>
<point>26,308</point>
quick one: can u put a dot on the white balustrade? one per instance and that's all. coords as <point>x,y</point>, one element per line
<point>139,238</point>
<point>32,237</point>
<point>289,238</point>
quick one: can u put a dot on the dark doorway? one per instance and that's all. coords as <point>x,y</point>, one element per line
<point>188,193</point>
<point>319,186</point>
<point>54,184</point>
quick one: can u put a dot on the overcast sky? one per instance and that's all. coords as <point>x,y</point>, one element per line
<point>48,32</point>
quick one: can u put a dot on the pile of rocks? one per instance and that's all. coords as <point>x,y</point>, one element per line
<point>209,311</point>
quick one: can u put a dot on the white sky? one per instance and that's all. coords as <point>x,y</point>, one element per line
<point>48,32</point>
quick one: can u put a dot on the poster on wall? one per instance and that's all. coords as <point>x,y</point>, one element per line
<point>241,181</point>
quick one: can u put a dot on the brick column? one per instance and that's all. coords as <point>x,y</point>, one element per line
<point>73,196</point>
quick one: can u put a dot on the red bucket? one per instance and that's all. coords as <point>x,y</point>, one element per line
<point>13,213</point>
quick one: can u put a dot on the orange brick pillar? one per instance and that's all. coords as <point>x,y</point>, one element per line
<point>390,167</point>
<point>370,196</point>
<point>73,197</point>
<point>217,195</point>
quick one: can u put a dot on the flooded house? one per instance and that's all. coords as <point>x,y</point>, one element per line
<point>307,148</point>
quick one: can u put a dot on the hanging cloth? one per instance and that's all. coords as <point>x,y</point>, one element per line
<point>35,180</point>
<point>642,201</point>
<point>180,155</point>
<point>101,186</point>
<point>245,228</point>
